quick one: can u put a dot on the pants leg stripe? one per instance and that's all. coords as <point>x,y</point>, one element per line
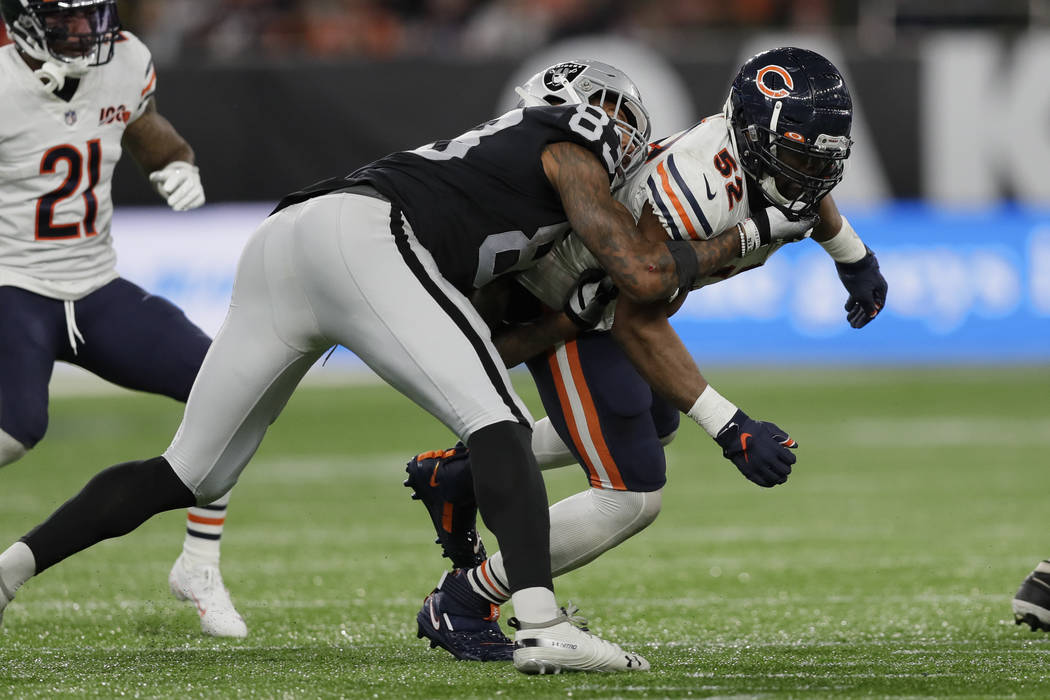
<point>581,416</point>
<point>397,228</point>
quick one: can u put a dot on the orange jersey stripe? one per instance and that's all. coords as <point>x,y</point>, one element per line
<point>590,413</point>
<point>674,200</point>
<point>149,85</point>
<point>204,521</point>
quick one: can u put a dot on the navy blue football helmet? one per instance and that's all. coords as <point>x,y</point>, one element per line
<point>790,113</point>
<point>78,33</point>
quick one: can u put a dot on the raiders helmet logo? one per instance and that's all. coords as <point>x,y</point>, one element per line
<point>562,74</point>
<point>771,78</point>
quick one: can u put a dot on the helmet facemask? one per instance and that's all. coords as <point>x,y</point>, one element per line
<point>793,175</point>
<point>75,34</point>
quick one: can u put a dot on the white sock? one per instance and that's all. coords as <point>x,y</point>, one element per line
<point>204,526</point>
<point>1043,567</point>
<point>535,604</point>
<point>583,526</point>
<point>17,565</point>
<point>548,446</point>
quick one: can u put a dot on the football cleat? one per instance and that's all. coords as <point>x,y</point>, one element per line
<point>565,644</point>
<point>1031,603</point>
<point>441,479</point>
<point>463,623</point>
<point>203,585</point>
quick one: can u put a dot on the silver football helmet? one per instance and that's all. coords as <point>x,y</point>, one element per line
<point>599,84</point>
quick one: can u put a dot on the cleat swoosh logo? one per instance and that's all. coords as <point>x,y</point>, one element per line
<point>433,477</point>
<point>434,620</point>
<point>743,445</point>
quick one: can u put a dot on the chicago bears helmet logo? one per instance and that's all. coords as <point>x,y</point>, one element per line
<point>562,74</point>
<point>769,85</point>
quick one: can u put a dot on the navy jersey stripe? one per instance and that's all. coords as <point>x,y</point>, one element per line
<point>688,194</point>
<point>655,192</point>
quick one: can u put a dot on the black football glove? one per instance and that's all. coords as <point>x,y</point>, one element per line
<point>586,302</point>
<point>867,289</point>
<point>759,449</point>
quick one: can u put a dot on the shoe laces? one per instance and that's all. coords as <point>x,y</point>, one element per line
<point>572,616</point>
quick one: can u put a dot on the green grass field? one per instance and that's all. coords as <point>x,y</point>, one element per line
<point>884,567</point>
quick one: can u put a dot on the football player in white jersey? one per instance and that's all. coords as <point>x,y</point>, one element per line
<point>766,163</point>
<point>76,90</point>
<point>382,261</point>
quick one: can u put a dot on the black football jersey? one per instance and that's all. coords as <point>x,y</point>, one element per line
<point>481,202</point>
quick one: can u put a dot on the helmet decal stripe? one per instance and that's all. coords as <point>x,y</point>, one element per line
<point>688,192</point>
<point>654,194</point>
<point>771,91</point>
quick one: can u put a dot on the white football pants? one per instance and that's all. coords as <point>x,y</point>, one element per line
<point>337,269</point>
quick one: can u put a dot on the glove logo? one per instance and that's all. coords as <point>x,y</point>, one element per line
<point>743,445</point>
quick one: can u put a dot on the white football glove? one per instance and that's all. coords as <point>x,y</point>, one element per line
<point>179,183</point>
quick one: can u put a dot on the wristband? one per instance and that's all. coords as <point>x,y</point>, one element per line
<point>750,237</point>
<point>685,263</point>
<point>845,246</point>
<point>712,411</point>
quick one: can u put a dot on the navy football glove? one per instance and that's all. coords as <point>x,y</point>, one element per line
<point>867,289</point>
<point>586,303</point>
<point>759,449</point>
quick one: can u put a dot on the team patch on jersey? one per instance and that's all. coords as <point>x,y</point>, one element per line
<point>679,210</point>
<point>109,115</point>
<point>561,74</point>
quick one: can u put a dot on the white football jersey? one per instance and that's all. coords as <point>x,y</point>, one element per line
<point>695,185</point>
<point>56,170</point>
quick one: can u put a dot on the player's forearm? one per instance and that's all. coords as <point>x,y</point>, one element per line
<point>830,221</point>
<point>153,142</point>
<point>519,343</point>
<point>658,354</point>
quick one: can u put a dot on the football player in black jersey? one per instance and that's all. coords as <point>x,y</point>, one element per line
<point>380,261</point>
<point>613,398</point>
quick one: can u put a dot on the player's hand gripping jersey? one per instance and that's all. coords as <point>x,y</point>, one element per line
<point>56,170</point>
<point>695,186</point>
<point>481,203</point>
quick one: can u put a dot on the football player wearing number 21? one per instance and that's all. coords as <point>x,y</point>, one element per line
<point>75,91</point>
<point>382,261</point>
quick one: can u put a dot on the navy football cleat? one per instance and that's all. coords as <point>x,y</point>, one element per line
<point>463,623</point>
<point>1031,603</point>
<point>442,481</point>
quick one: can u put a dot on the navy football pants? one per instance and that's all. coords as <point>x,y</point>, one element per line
<point>131,338</point>
<point>605,412</point>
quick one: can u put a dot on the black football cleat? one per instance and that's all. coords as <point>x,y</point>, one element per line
<point>463,623</point>
<point>442,481</point>
<point>1031,603</point>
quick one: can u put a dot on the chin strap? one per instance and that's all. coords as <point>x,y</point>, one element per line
<point>53,74</point>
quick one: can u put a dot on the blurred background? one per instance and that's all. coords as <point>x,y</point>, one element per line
<point>947,181</point>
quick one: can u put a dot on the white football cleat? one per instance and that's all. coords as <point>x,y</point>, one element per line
<point>203,585</point>
<point>558,645</point>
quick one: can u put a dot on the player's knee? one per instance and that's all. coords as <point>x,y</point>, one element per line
<point>11,450</point>
<point>628,512</point>
<point>666,440</point>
